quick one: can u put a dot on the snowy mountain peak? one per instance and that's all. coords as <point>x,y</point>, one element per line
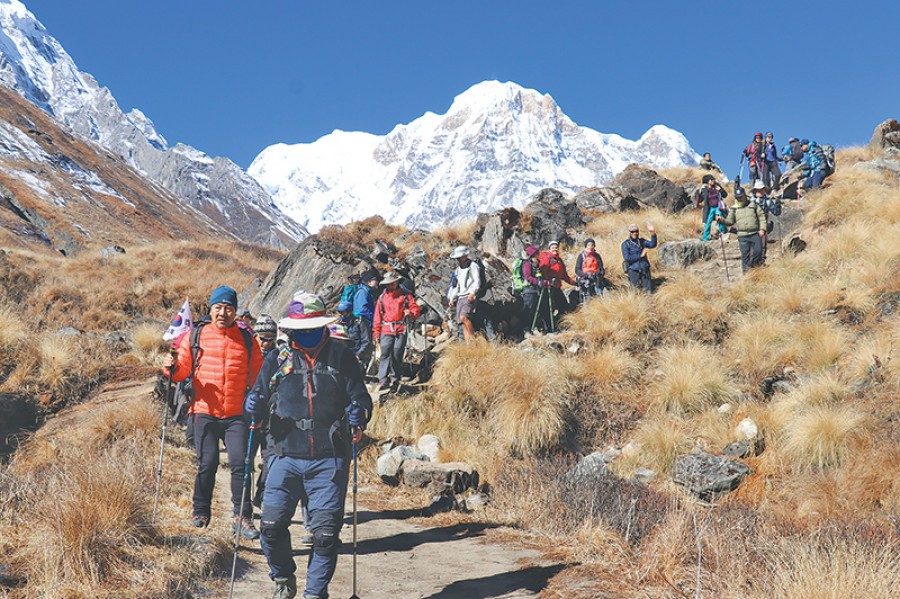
<point>496,146</point>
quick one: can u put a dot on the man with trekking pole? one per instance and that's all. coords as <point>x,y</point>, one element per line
<point>313,391</point>
<point>220,360</point>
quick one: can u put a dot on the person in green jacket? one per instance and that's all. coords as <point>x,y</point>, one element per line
<point>750,221</point>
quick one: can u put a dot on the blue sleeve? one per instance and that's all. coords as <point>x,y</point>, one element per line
<point>649,244</point>
<point>630,252</point>
<point>361,305</point>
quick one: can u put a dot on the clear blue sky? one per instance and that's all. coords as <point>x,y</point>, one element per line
<point>232,77</point>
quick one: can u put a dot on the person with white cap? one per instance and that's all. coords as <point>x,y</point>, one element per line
<point>770,206</point>
<point>750,221</point>
<point>553,273</point>
<point>393,311</point>
<point>463,290</point>
<point>634,252</point>
<point>314,392</point>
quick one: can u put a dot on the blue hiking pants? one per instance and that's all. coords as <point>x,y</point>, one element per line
<point>291,480</point>
<point>814,180</point>
<point>713,213</point>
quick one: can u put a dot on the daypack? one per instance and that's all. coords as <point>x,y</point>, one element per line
<point>518,277</point>
<point>187,397</point>
<point>349,293</point>
<point>483,283</point>
<point>828,156</point>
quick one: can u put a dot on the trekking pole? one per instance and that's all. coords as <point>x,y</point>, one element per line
<point>162,442</point>
<point>246,483</point>
<point>725,258</point>
<point>355,454</point>
<point>550,300</point>
<point>537,309</point>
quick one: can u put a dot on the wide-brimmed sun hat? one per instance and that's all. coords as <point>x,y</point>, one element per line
<point>758,184</point>
<point>306,311</point>
<point>459,251</point>
<point>389,278</point>
<point>338,331</point>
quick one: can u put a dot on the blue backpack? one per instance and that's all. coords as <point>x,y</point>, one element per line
<point>349,293</point>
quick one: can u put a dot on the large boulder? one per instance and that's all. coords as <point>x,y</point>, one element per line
<point>451,477</point>
<point>707,476</point>
<point>646,187</point>
<point>886,135</point>
<point>390,464</point>
<point>681,254</point>
<point>604,200</point>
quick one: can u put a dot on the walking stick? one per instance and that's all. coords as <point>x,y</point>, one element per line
<point>537,309</point>
<point>162,442</point>
<point>355,445</point>
<point>550,299</point>
<point>724,258</point>
<point>247,482</point>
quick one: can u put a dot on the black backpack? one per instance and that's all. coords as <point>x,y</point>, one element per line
<point>483,283</point>
<point>181,402</point>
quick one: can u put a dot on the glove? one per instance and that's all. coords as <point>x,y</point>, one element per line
<point>357,416</point>
<point>254,405</point>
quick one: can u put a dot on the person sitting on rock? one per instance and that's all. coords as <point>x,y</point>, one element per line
<point>750,221</point>
<point>465,283</point>
<point>813,163</point>
<point>791,154</point>
<point>553,273</point>
<point>712,198</point>
<point>394,311</point>
<point>589,270</point>
<point>634,252</point>
<point>707,164</point>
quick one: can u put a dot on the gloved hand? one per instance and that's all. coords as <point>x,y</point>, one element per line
<point>545,284</point>
<point>254,405</point>
<point>357,416</point>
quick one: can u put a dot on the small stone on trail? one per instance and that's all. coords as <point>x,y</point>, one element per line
<point>644,475</point>
<point>430,446</point>
<point>390,464</point>
<point>747,429</point>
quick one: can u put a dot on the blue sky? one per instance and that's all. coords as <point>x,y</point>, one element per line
<point>231,77</point>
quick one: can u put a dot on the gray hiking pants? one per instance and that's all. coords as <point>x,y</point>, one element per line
<point>751,251</point>
<point>392,348</point>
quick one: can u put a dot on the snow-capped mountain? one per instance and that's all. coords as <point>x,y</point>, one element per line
<point>33,63</point>
<point>496,146</point>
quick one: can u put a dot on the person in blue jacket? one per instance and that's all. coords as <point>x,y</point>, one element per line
<point>634,251</point>
<point>813,163</point>
<point>364,298</point>
<point>313,391</point>
<point>359,334</point>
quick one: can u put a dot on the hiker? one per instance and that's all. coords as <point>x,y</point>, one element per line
<point>364,298</point>
<point>712,198</point>
<point>755,152</point>
<point>531,291</point>
<point>393,311</point>
<point>750,222</point>
<point>791,154</point>
<point>553,273</point>
<point>358,334</point>
<point>245,320</point>
<point>589,271</point>
<point>771,173</point>
<point>813,163</point>
<point>266,333</point>
<point>634,252</point>
<point>770,206</point>
<point>224,366</point>
<point>707,164</point>
<point>464,289</point>
<point>319,403</point>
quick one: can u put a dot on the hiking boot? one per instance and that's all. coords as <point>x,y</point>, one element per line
<point>199,521</point>
<point>311,597</point>
<point>245,527</point>
<point>285,588</point>
<point>307,538</point>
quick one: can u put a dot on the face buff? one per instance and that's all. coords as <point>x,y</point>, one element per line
<point>308,338</point>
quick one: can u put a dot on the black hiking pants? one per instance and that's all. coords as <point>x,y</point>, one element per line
<point>751,251</point>
<point>755,173</point>
<point>640,278</point>
<point>208,431</point>
<point>772,175</point>
<point>536,309</point>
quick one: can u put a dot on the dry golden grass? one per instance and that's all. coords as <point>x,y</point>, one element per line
<point>657,442</point>
<point>820,437</point>
<point>608,366</point>
<point>147,342</point>
<point>12,330</point>
<point>688,309</point>
<point>623,317</point>
<point>692,380</point>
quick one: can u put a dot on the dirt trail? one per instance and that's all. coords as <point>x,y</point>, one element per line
<point>399,559</point>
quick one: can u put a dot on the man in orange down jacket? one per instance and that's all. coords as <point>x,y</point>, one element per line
<point>222,373</point>
<point>394,310</point>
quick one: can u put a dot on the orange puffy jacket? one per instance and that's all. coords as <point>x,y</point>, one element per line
<point>221,378</point>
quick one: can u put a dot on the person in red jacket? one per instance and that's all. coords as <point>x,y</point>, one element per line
<point>553,273</point>
<point>394,311</point>
<point>756,155</point>
<point>221,372</point>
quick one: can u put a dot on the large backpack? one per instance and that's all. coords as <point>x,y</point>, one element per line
<point>349,293</point>
<point>518,277</point>
<point>483,283</point>
<point>828,158</point>
<point>185,399</point>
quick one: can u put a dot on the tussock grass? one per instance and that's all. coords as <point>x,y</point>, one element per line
<point>688,309</point>
<point>820,437</point>
<point>608,366</point>
<point>623,317</point>
<point>657,442</point>
<point>692,380</point>
<point>12,331</point>
<point>147,342</point>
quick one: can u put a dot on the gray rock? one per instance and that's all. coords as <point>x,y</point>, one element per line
<point>551,217</point>
<point>69,332</point>
<point>452,477</point>
<point>886,135</point>
<point>390,464</point>
<point>737,449</point>
<point>884,165</point>
<point>648,188</point>
<point>644,475</point>
<point>112,250</point>
<point>441,504</point>
<point>706,475</point>
<point>430,446</point>
<point>681,254</point>
<point>604,200</point>
<point>589,468</point>
<point>476,500</point>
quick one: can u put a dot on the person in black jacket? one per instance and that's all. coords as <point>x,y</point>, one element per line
<point>589,271</point>
<point>634,251</point>
<point>313,391</point>
<point>712,198</point>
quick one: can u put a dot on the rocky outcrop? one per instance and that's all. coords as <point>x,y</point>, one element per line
<point>646,187</point>
<point>681,254</point>
<point>390,464</point>
<point>706,475</point>
<point>444,479</point>
<point>886,135</point>
<point>604,200</point>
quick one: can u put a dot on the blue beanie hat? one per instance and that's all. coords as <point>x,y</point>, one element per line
<point>344,306</point>
<point>223,295</point>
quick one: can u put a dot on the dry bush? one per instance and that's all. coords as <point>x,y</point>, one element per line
<point>623,317</point>
<point>820,437</point>
<point>689,174</point>
<point>12,331</point>
<point>687,309</point>
<point>608,366</point>
<point>147,342</point>
<point>58,355</point>
<point>759,345</point>
<point>692,380</point>
<point>656,444</point>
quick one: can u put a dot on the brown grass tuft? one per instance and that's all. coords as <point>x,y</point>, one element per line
<point>693,379</point>
<point>820,437</point>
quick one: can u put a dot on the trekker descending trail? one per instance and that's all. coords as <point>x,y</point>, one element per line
<point>319,404</point>
<point>464,286</point>
<point>756,152</point>
<point>770,207</point>
<point>393,311</point>
<point>771,172</point>
<point>712,198</point>
<point>222,360</point>
<point>750,222</point>
<point>634,252</point>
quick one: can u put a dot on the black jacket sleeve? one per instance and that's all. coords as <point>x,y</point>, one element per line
<point>354,384</point>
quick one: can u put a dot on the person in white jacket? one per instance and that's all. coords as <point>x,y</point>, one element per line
<point>464,287</point>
